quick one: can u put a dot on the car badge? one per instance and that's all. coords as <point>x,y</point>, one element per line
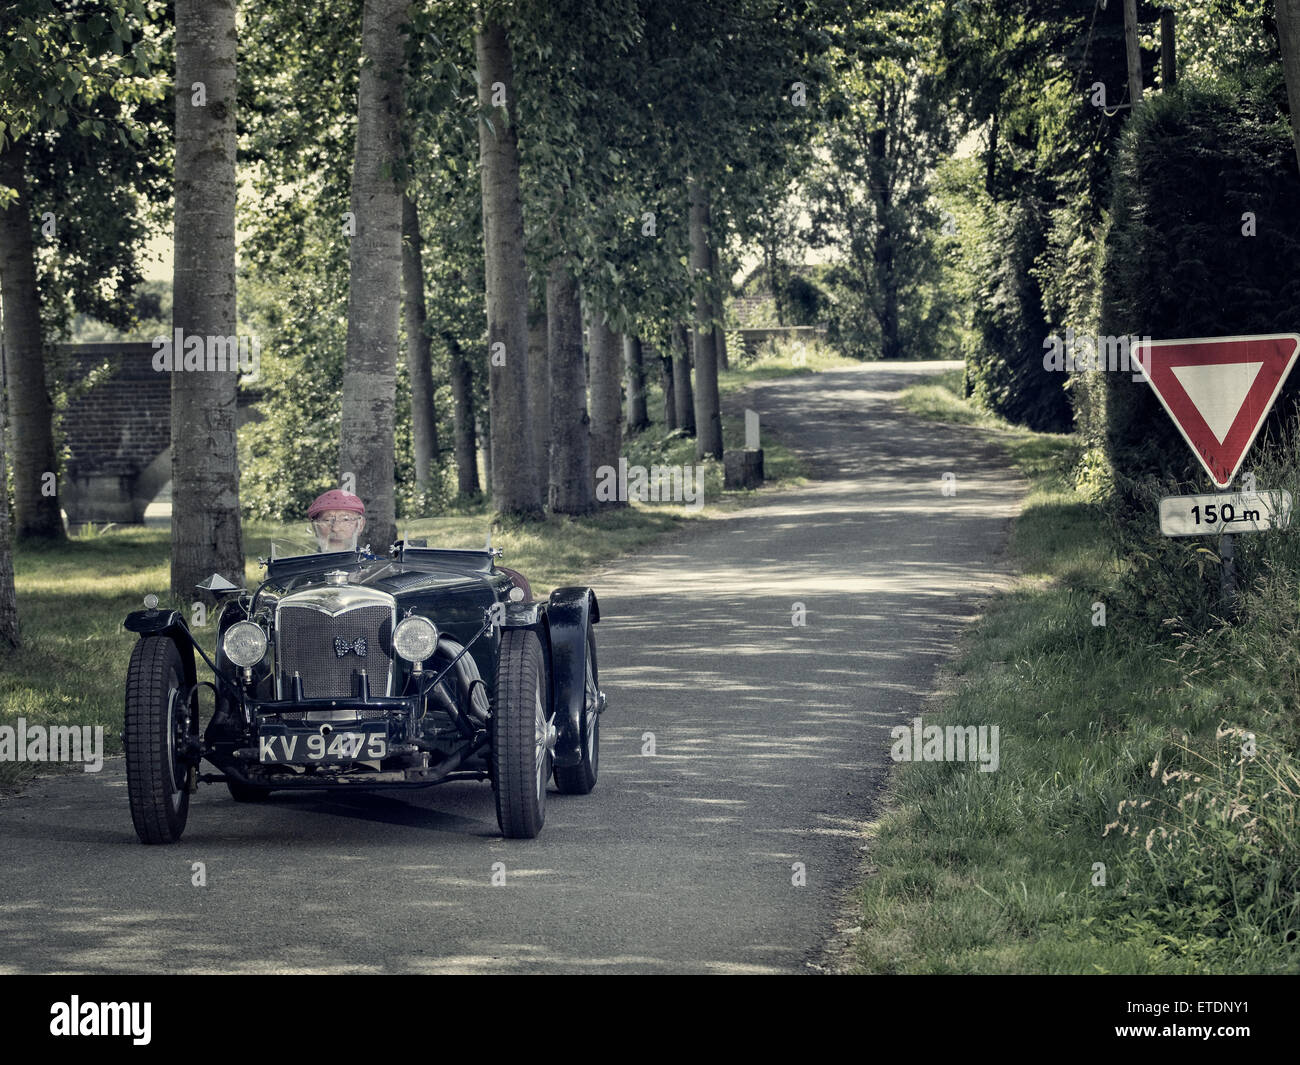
<point>357,646</point>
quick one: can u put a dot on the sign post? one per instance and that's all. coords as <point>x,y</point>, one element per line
<point>1228,556</point>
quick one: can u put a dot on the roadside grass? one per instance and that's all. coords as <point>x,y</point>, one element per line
<point>939,398</point>
<point>73,597</point>
<point>780,357</point>
<point>1126,829</point>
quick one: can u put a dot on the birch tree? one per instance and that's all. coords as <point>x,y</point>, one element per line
<point>206,532</point>
<point>419,359</point>
<point>514,485</point>
<point>375,255</point>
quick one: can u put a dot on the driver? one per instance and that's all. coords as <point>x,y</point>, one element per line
<point>337,518</point>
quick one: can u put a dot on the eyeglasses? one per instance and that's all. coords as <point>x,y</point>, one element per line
<point>325,523</point>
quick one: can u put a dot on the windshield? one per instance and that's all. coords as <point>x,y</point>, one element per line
<point>297,539</point>
<point>291,549</point>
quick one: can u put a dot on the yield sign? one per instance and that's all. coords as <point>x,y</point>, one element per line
<point>1218,391</point>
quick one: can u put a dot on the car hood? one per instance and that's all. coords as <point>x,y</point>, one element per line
<point>452,597</point>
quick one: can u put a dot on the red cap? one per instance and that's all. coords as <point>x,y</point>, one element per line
<point>335,499</point>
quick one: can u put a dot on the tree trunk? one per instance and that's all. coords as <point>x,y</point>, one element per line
<point>772,254</point>
<point>991,155</point>
<point>515,488</point>
<point>638,417</point>
<point>419,359</point>
<point>539,393</point>
<point>708,418</point>
<point>1133,52</point>
<point>683,393</point>
<point>8,597</point>
<point>666,384</point>
<point>485,449</point>
<point>31,410</point>
<point>891,346</point>
<point>462,397</point>
<point>883,252</point>
<point>206,532</point>
<point>571,482</point>
<point>1288,39</point>
<point>375,260</point>
<point>606,396</point>
<point>715,300</point>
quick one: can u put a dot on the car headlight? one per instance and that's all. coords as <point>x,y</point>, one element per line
<point>415,638</point>
<point>244,643</point>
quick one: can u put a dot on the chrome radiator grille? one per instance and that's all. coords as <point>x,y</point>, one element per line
<point>306,642</point>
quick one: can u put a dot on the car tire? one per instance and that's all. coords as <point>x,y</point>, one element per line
<point>580,779</point>
<point>159,723</point>
<point>521,755</point>
<point>241,792</point>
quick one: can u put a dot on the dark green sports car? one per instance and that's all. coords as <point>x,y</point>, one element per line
<point>347,670</point>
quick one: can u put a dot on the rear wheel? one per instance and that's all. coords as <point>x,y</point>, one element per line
<point>161,727</point>
<point>521,742</point>
<point>581,778</point>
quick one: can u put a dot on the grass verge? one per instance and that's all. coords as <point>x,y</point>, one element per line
<point>1143,818</point>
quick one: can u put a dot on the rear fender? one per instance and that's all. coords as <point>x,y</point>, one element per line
<point>570,611</point>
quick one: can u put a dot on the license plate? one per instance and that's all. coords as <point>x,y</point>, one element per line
<point>317,749</point>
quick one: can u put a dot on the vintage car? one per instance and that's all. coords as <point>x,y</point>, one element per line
<point>347,670</point>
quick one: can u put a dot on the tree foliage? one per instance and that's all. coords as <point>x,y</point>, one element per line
<point>869,186</point>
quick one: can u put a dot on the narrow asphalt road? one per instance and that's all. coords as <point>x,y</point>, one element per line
<point>770,745</point>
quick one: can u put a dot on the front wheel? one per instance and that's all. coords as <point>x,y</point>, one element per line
<point>161,727</point>
<point>521,736</point>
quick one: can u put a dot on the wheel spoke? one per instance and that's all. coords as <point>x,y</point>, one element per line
<point>590,717</point>
<point>540,729</point>
<point>175,735</point>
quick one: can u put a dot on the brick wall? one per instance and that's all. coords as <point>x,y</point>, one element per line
<point>122,423</point>
<point>747,310</point>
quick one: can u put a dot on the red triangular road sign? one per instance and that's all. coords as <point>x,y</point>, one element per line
<point>1218,390</point>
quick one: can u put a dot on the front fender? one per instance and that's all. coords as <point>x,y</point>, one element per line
<point>154,622</point>
<point>167,623</point>
<point>570,611</point>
